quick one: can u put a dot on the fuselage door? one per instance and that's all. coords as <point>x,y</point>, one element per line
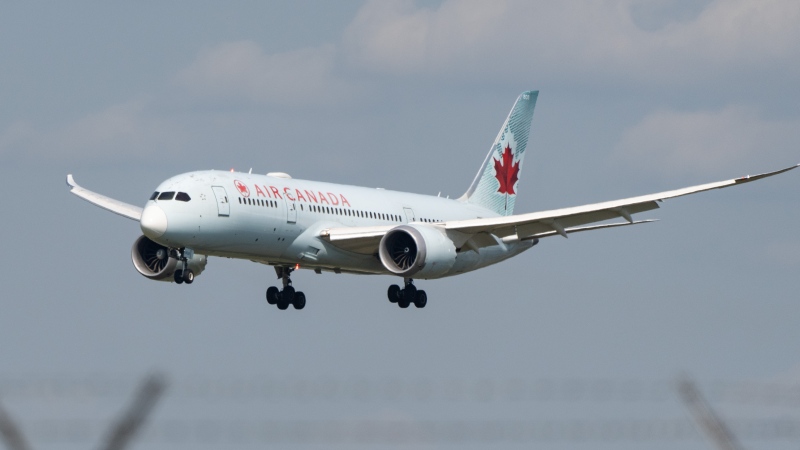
<point>291,211</point>
<point>223,205</point>
<point>409,215</point>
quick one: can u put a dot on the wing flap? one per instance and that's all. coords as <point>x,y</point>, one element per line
<point>107,203</point>
<point>363,240</point>
<point>589,228</point>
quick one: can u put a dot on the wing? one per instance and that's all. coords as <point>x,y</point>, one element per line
<point>560,221</point>
<point>115,206</point>
<point>476,233</point>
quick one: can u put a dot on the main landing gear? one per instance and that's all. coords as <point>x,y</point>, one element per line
<point>286,296</point>
<point>184,275</point>
<point>408,295</point>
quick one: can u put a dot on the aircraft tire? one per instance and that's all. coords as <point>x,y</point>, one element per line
<point>410,294</point>
<point>299,301</point>
<point>421,300</point>
<point>272,295</point>
<point>403,300</point>
<point>188,276</point>
<point>394,293</point>
<point>282,305</point>
<point>178,277</point>
<point>287,294</point>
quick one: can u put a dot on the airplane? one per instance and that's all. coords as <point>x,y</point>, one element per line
<point>291,223</point>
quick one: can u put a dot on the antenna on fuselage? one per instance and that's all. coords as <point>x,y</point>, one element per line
<point>250,171</point>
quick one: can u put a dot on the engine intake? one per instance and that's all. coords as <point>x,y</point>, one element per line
<point>156,262</point>
<point>418,250</point>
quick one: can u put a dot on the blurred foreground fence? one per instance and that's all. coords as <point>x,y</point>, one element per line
<point>408,432</point>
<point>416,390</point>
<point>643,406</point>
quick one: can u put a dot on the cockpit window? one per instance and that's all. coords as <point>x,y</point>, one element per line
<point>154,196</point>
<point>182,197</point>
<point>166,195</point>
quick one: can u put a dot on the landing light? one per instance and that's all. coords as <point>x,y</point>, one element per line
<point>297,267</point>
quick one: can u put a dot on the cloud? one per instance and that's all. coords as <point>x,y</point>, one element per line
<point>242,70</point>
<point>122,130</point>
<point>707,141</point>
<point>512,39</point>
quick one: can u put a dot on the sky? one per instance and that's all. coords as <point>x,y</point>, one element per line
<point>636,96</point>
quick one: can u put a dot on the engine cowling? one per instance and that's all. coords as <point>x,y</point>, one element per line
<point>156,262</point>
<point>417,250</point>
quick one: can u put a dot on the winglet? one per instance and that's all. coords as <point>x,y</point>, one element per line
<point>71,181</point>
<point>749,178</point>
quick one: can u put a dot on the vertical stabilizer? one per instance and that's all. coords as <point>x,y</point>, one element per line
<point>495,186</point>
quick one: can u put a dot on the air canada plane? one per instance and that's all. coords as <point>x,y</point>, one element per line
<point>294,224</point>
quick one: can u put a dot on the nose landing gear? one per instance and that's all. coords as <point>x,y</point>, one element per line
<point>286,296</point>
<point>184,275</point>
<point>408,295</point>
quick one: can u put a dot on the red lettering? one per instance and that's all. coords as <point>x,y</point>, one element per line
<point>334,200</point>
<point>267,191</point>
<point>287,194</point>
<point>275,191</point>
<point>259,192</point>
<point>344,201</point>
<point>311,196</point>
<point>322,198</point>
<point>299,195</point>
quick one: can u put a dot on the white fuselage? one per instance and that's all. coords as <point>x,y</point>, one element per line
<point>278,220</point>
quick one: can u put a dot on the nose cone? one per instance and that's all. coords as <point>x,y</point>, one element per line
<point>153,221</point>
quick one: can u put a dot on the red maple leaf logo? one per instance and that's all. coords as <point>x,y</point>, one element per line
<point>243,189</point>
<point>506,171</point>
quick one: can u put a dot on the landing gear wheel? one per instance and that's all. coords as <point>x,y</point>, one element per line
<point>421,300</point>
<point>403,300</point>
<point>410,293</point>
<point>188,276</point>
<point>394,293</point>
<point>178,277</point>
<point>299,301</point>
<point>272,295</point>
<point>406,296</point>
<point>287,296</point>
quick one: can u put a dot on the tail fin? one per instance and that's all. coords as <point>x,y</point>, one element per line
<point>495,186</point>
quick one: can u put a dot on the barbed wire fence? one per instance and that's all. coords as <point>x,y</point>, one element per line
<point>331,389</point>
<point>276,392</point>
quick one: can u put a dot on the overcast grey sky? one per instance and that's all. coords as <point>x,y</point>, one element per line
<point>636,97</point>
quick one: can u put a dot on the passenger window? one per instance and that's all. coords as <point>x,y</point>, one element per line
<point>182,197</point>
<point>166,195</point>
<point>154,196</point>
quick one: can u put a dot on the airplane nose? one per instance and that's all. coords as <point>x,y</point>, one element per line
<point>153,221</point>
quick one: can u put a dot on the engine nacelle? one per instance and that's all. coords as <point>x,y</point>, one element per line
<point>418,250</point>
<point>157,263</point>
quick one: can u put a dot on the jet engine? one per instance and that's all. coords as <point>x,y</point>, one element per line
<point>418,250</point>
<point>157,262</point>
